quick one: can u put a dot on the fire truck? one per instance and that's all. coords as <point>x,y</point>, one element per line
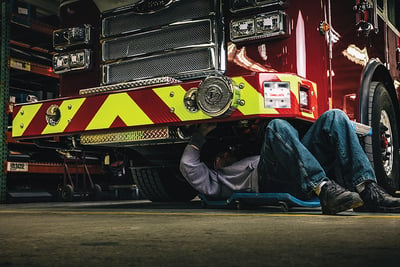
<point>139,76</point>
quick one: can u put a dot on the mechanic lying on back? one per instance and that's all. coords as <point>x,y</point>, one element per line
<point>290,165</point>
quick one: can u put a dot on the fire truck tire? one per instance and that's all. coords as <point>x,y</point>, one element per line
<point>382,147</point>
<point>67,193</point>
<point>162,184</point>
<point>96,192</point>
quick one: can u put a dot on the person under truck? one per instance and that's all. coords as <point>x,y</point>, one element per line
<point>293,165</point>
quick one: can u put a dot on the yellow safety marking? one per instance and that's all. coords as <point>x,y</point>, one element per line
<point>23,118</point>
<point>118,105</point>
<point>68,109</point>
<point>254,101</point>
<point>308,115</point>
<point>173,97</point>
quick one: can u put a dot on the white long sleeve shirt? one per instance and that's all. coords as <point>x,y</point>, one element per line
<point>241,176</point>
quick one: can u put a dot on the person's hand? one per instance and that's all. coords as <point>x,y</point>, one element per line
<point>206,128</point>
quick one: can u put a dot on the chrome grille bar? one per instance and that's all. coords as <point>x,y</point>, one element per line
<point>183,10</point>
<point>195,33</point>
<point>183,63</point>
<point>183,41</point>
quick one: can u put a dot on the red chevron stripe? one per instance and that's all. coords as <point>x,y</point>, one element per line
<point>38,123</point>
<point>86,113</point>
<point>153,106</point>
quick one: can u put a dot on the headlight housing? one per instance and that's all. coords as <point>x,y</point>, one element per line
<point>217,96</point>
<point>74,60</point>
<point>64,38</point>
<point>266,25</point>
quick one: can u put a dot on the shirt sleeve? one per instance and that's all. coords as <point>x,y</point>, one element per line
<point>196,172</point>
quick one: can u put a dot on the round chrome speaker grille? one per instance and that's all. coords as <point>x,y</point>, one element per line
<point>53,115</point>
<point>215,96</point>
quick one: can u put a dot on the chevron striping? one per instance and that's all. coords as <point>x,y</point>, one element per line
<point>68,109</point>
<point>254,101</point>
<point>23,118</point>
<point>118,105</point>
<point>173,97</point>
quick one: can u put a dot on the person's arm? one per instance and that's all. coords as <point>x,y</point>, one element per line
<point>199,176</point>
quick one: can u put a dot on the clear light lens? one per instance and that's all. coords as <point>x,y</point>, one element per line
<point>60,62</point>
<point>75,60</point>
<point>277,95</point>
<point>65,38</point>
<point>78,59</point>
<point>260,26</point>
<point>269,23</point>
<point>304,99</point>
<point>242,28</point>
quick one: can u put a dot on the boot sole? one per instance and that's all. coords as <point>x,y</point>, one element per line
<point>349,203</point>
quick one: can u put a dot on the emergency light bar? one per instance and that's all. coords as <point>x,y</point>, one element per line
<point>64,38</point>
<point>267,25</point>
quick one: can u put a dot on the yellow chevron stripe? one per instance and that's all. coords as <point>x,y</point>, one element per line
<point>118,105</point>
<point>173,97</point>
<point>308,115</point>
<point>68,109</point>
<point>254,101</point>
<point>24,118</point>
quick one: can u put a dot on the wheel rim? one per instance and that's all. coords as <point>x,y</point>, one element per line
<point>386,142</point>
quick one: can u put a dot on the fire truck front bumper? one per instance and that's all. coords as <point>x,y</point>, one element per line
<point>150,112</point>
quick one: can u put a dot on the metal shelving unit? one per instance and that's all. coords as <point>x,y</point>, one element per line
<point>4,94</point>
<point>26,72</point>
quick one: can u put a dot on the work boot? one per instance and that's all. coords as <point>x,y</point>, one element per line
<point>334,199</point>
<point>377,199</point>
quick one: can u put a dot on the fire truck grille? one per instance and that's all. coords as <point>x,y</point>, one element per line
<point>178,42</point>
<point>184,10</point>
<point>187,63</point>
<point>167,39</point>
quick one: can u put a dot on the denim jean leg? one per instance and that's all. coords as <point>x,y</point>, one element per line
<point>284,157</point>
<point>333,138</point>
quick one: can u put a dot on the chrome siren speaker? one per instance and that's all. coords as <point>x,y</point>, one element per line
<point>217,96</point>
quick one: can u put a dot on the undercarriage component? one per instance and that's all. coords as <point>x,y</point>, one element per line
<point>162,184</point>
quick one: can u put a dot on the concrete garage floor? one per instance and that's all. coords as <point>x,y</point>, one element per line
<point>140,233</point>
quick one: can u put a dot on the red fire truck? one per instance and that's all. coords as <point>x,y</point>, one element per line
<point>138,76</point>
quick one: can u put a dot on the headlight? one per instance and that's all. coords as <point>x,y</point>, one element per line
<point>65,38</point>
<point>242,28</point>
<point>304,97</point>
<point>277,95</point>
<point>217,96</point>
<point>74,60</point>
<point>239,5</point>
<point>261,26</point>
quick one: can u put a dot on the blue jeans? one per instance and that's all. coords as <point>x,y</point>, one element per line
<point>330,148</point>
